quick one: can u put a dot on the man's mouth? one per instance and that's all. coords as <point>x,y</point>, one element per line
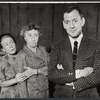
<point>73,31</point>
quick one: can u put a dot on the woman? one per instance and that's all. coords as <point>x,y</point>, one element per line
<point>35,58</point>
<point>11,81</point>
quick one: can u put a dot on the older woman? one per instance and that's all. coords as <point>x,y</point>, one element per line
<point>11,81</point>
<point>35,58</point>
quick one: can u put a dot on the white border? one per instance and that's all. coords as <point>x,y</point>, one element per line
<point>53,2</point>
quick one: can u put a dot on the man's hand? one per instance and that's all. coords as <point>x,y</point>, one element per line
<point>83,72</point>
<point>77,73</point>
<point>88,70</point>
<point>59,66</point>
<point>70,84</point>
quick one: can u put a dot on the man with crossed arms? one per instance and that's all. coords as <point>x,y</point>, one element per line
<point>75,77</point>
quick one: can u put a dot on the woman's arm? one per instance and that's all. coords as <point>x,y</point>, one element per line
<point>20,77</point>
<point>43,70</point>
<point>29,72</point>
<point>8,82</point>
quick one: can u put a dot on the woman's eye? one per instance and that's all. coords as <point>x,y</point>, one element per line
<point>6,44</point>
<point>36,35</point>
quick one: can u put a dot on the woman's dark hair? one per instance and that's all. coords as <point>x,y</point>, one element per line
<point>6,35</point>
<point>29,27</point>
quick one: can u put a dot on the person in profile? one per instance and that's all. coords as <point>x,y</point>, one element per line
<point>75,61</point>
<point>12,82</point>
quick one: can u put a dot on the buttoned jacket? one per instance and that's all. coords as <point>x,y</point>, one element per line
<point>88,56</point>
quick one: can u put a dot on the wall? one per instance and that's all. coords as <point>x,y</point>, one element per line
<point>13,16</point>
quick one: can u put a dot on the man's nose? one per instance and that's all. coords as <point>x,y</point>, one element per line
<point>33,38</point>
<point>72,25</point>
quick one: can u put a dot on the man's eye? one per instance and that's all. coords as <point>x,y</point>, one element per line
<point>66,22</point>
<point>75,21</point>
<point>29,35</point>
<point>12,42</point>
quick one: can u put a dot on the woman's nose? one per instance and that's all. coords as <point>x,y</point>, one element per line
<point>10,46</point>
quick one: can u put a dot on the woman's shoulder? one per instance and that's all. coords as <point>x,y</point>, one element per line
<point>3,62</point>
<point>42,47</point>
<point>3,58</point>
<point>21,54</point>
<point>43,50</point>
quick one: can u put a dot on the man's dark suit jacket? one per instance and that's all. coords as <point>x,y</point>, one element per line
<point>88,56</point>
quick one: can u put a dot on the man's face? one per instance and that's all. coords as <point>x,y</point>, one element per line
<point>31,37</point>
<point>8,45</point>
<point>73,23</point>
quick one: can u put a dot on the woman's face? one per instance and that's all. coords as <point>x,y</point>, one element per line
<point>31,37</point>
<point>8,45</point>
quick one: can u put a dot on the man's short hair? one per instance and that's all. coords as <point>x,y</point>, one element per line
<point>71,8</point>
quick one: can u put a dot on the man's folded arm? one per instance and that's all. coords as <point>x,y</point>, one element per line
<point>94,78</point>
<point>59,76</point>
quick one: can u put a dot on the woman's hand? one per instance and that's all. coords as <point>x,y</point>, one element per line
<point>20,77</point>
<point>29,72</point>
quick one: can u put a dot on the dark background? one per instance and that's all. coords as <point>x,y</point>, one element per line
<point>13,16</point>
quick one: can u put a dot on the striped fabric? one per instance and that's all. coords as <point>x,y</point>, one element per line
<point>75,53</point>
<point>88,56</point>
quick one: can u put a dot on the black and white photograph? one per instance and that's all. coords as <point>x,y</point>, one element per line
<point>49,50</point>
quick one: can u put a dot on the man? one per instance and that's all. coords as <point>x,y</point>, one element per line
<point>75,68</point>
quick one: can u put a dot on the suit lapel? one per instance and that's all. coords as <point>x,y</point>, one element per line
<point>68,53</point>
<point>82,49</point>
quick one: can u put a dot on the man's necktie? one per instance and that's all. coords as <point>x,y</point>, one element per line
<point>75,53</point>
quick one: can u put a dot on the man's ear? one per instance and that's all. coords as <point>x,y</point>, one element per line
<point>63,24</point>
<point>83,21</point>
<point>24,38</point>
